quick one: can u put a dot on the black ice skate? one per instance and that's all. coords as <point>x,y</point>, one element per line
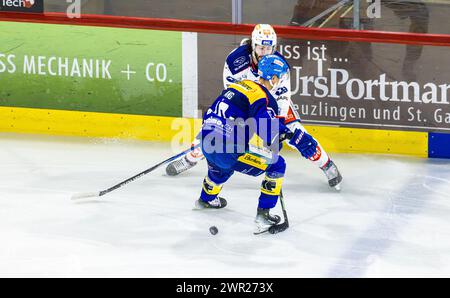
<point>333,175</point>
<point>264,220</point>
<point>179,166</point>
<point>217,203</point>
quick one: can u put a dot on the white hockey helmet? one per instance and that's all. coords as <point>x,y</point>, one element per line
<point>264,35</point>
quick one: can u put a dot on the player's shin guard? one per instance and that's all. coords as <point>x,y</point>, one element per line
<point>270,191</point>
<point>209,196</point>
<point>271,185</point>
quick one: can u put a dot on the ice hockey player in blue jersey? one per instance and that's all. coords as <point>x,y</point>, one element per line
<point>242,133</point>
<point>242,64</point>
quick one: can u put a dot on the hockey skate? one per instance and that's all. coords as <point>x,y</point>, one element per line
<point>333,175</point>
<point>179,166</point>
<point>217,203</point>
<point>264,220</point>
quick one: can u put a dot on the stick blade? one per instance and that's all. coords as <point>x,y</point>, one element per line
<point>275,229</point>
<point>85,195</point>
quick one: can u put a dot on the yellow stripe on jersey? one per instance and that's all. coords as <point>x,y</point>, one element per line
<point>250,89</point>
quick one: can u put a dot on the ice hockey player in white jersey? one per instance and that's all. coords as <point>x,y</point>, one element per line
<point>242,64</point>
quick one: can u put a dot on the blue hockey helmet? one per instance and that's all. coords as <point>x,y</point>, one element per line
<point>272,65</point>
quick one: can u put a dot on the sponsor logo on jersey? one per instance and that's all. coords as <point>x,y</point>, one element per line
<point>231,79</point>
<point>239,61</point>
<point>318,154</point>
<point>281,90</point>
<point>299,138</point>
<point>278,62</point>
<point>239,67</point>
<point>254,161</point>
<point>289,118</point>
<point>271,112</point>
<point>269,185</point>
<point>246,86</point>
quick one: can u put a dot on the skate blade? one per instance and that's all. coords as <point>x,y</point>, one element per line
<point>200,207</point>
<point>259,233</point>
<point>206,209</point>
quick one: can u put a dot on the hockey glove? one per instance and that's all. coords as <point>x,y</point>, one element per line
<point>304,143</point>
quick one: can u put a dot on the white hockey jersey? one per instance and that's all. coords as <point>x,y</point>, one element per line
<point>239,66</point>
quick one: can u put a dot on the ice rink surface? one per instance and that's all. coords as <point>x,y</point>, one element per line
<point>391,219</point>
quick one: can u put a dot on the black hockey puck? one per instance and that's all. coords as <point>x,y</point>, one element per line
<point>213,230</point>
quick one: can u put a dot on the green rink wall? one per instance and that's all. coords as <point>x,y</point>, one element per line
<point>93,69</point>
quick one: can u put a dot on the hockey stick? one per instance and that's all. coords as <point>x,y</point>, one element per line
<point>282,226</point>
<point>103,192</point>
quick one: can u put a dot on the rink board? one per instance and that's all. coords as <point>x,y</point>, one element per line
<point>157,128</point>
<point>113,82</point>
<point>82,68</point>
<point>439,145</point>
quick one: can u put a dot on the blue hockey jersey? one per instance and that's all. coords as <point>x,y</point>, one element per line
<point>244,109</point>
